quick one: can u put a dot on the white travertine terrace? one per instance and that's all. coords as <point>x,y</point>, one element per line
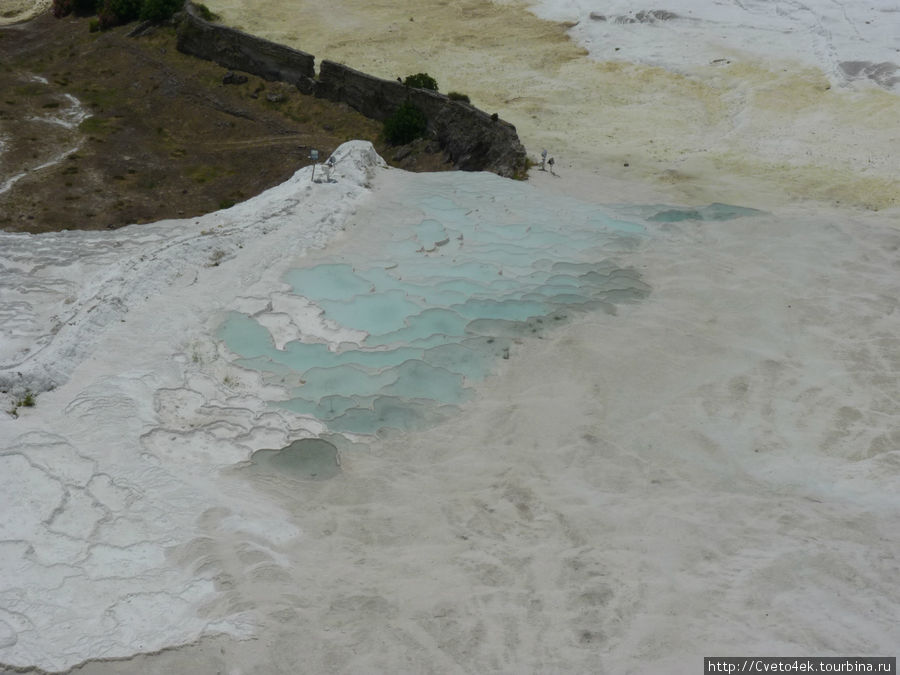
<point>824,35</point>
<point>101,484</point>
<point>711,470</point>
<point>725,447</point>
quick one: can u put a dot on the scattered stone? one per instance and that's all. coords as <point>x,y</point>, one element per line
<point>651,16</point>
<point>885,74</point>
<point>141,28</point>
<point>661,15</point>
<point>402,153</point>
<point>596,16</point>
<point>234,78</point>
<point>275,97</point>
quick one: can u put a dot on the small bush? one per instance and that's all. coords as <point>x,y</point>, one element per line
<point>62,8</point>
<point>405,125</point>
<point>126,10</point>
<point>160,10</point>
<point>456,96</point>
<point>65,7</point>
<point>204,12</point>
<point>106,19</point>
<point>95,125</point>
<point>27,401</point>
<point>116,12</point>
<point>421,81</point>
<point>522,173</point>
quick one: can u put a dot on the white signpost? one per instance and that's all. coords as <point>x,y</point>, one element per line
<point>314,156</point>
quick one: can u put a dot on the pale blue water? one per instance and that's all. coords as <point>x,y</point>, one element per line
<point>443,294</point>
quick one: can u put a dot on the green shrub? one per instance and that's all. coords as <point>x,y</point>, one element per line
<point>522,173</point>
<point>405,125</point>
<point>65,7</point>
<point>160,10</point>
<point>106,18</point>
<point>204,12</point>
<point>456,96</point>
<point>421,81</point>
<point>115,12</point>
<point>62,8</point>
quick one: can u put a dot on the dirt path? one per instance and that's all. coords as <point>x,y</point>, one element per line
<point>101,130</point>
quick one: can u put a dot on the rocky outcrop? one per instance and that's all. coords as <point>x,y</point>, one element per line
<point>472,139</point>
<point>237,50</point>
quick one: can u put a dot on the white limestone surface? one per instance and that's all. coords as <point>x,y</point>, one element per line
<point>106,476</point>
<point>710,470</point>
<point>847,40</point>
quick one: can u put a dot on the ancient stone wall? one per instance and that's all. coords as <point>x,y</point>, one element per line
<point>241,51</point>
<point>472,139</point>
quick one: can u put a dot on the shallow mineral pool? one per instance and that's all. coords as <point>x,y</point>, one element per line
<point>439,297</point>
<point>306,458</point>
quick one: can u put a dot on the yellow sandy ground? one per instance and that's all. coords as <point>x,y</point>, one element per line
<point>756,133</point>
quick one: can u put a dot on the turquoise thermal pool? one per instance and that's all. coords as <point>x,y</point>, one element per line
<point>439,297</point>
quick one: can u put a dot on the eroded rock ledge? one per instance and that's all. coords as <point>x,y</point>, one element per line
<point>472,139</point>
